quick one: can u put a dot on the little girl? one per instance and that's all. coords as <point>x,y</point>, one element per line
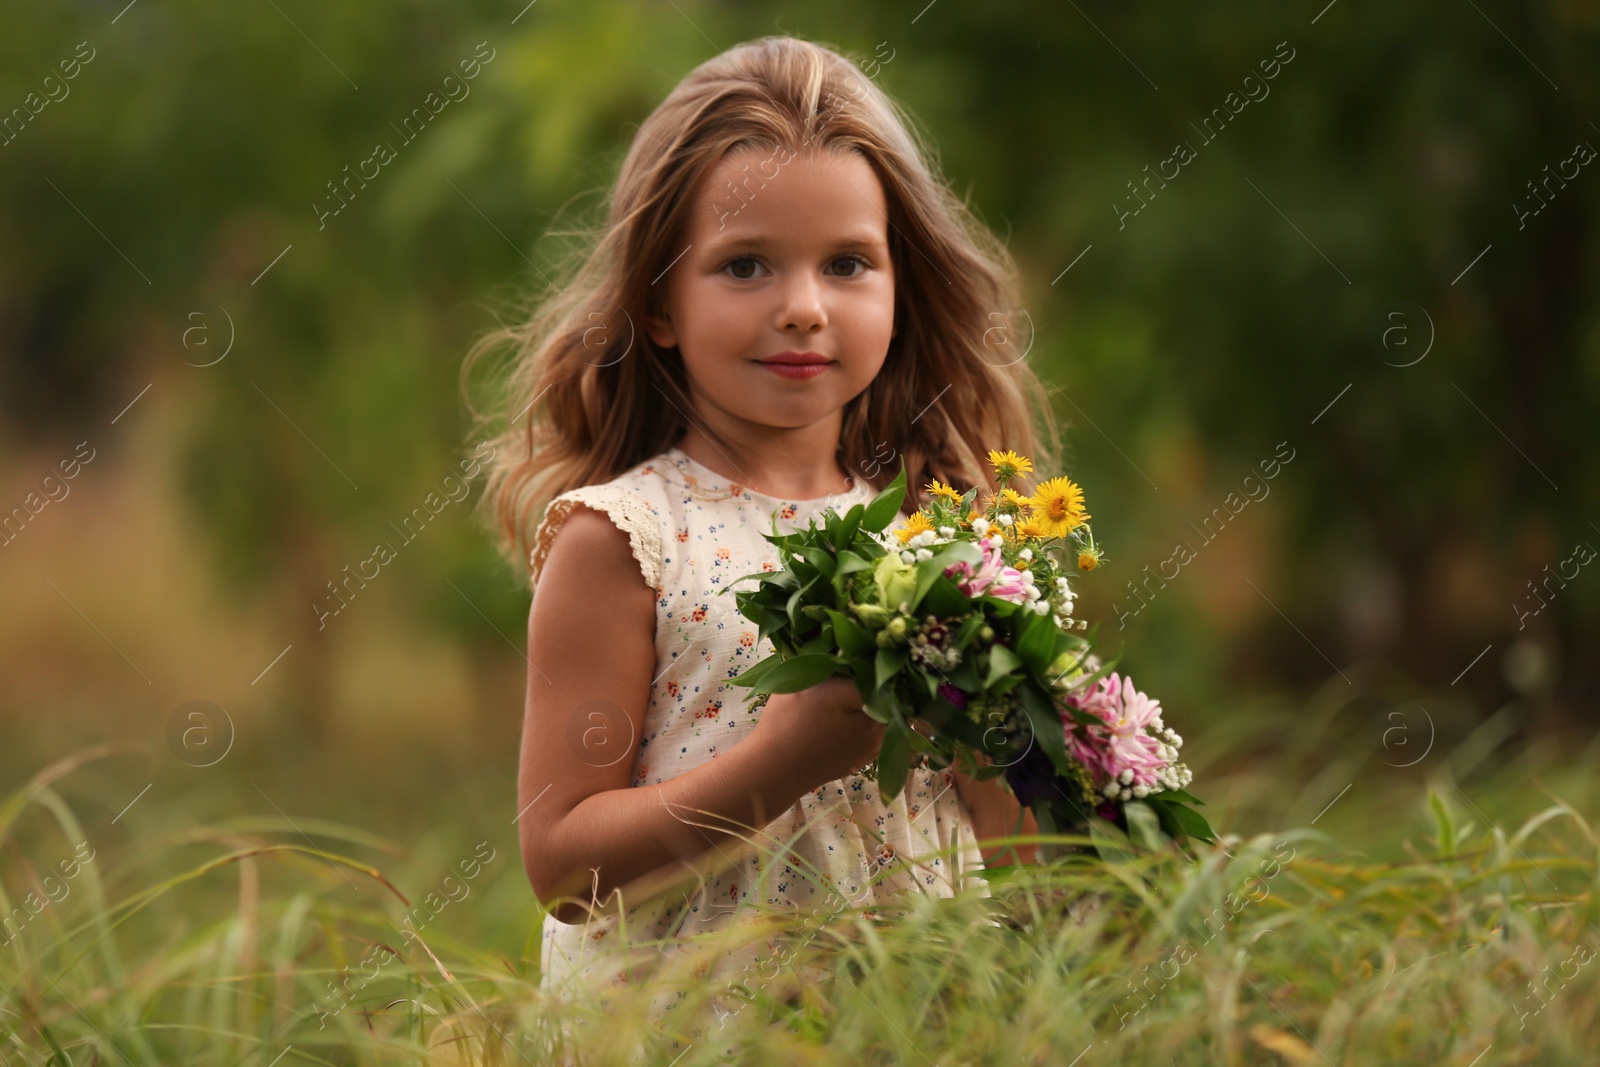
<point>786,305</point>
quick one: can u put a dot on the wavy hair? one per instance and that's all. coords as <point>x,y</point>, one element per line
<point>576,412</point>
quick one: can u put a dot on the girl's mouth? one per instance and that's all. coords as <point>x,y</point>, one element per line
<point>797,370</point>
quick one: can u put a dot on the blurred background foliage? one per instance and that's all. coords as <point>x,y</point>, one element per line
<point>164,208</point>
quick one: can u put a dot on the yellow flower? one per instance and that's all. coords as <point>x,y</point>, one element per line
<point>1058,505</point>
<point>1008,464</point>
<point>917,523</point>
<point>1088,559</point>
<point>1032,529</point>
<point>938,489</point>
<point>1011,496</point>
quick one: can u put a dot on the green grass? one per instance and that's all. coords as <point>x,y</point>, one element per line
<point>1411,924</point>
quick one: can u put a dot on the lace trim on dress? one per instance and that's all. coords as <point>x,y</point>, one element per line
<point>626,510</point>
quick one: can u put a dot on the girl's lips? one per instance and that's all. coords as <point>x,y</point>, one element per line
<point>797,370</point>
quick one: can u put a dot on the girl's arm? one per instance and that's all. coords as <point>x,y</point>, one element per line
<point>591,661</point>
<point>993,812</point>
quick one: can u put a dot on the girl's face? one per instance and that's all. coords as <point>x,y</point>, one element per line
<point>785,253</point>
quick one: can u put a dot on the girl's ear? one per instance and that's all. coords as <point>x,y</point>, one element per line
<point>659,327</point>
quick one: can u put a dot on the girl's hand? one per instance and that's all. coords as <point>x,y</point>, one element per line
<point>819,734</point>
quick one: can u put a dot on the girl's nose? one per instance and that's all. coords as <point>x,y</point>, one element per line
<point>802,305</point>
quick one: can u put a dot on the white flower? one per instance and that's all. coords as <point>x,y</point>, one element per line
<point>1126,776</point>
<point>1003,520</point>
<point>1026,553</point>
<point>1111,789</point>
<point>947,531</point>
<point>908,557</point>
<point>1141,790</point>
<point>980,526</point>
<point>924,553</point>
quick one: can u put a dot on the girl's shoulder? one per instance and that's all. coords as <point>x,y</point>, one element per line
<point>638,501</point>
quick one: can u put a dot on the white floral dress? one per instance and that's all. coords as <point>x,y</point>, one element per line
<point>692,532</point>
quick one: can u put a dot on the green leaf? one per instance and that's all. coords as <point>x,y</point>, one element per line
<point>853,640</point>
<point>965,676</point>
<point>1006,684</point>
<point>850,562</point>
<point>894,760</point>
<point>848,527</point>
<point>1109,840</point>
<point>883,705</point>
<point>1144,825</point>
<point>945,599</point>
<point>744,578</point>
<point>765,664</point>
<point>773,621</point>
<point>820,558</point>
<point>822,643</point>
<point>1190,822</point>
<point>800,672</point>
<point>1000,609</point>
<point>1001,661</point>
<point>1045,721</point>
<point>794,603</point>
<point>1444,823</point>
<point>1037,646</point>
<point>952,722</point>
<point>932,569</point>
<point>886,505</point>
<point>1178,794</point>
<point>890,662</point>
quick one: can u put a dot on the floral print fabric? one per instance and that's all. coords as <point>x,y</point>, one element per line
<point>693,531</point>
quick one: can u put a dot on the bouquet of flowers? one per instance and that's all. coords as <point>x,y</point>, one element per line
<point>957,629</point>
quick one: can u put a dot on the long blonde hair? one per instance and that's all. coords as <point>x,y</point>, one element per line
<point>577,412</point>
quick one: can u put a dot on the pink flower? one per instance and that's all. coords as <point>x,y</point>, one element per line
<point>1121,741</point>
<point>993,577</point>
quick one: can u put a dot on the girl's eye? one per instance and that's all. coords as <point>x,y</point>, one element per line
<point>855,258</point>
<point>858,259</point>
<point>738,261</point>
<point>736,266</point>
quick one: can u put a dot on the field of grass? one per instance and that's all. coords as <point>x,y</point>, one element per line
<point>1358,912</point>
